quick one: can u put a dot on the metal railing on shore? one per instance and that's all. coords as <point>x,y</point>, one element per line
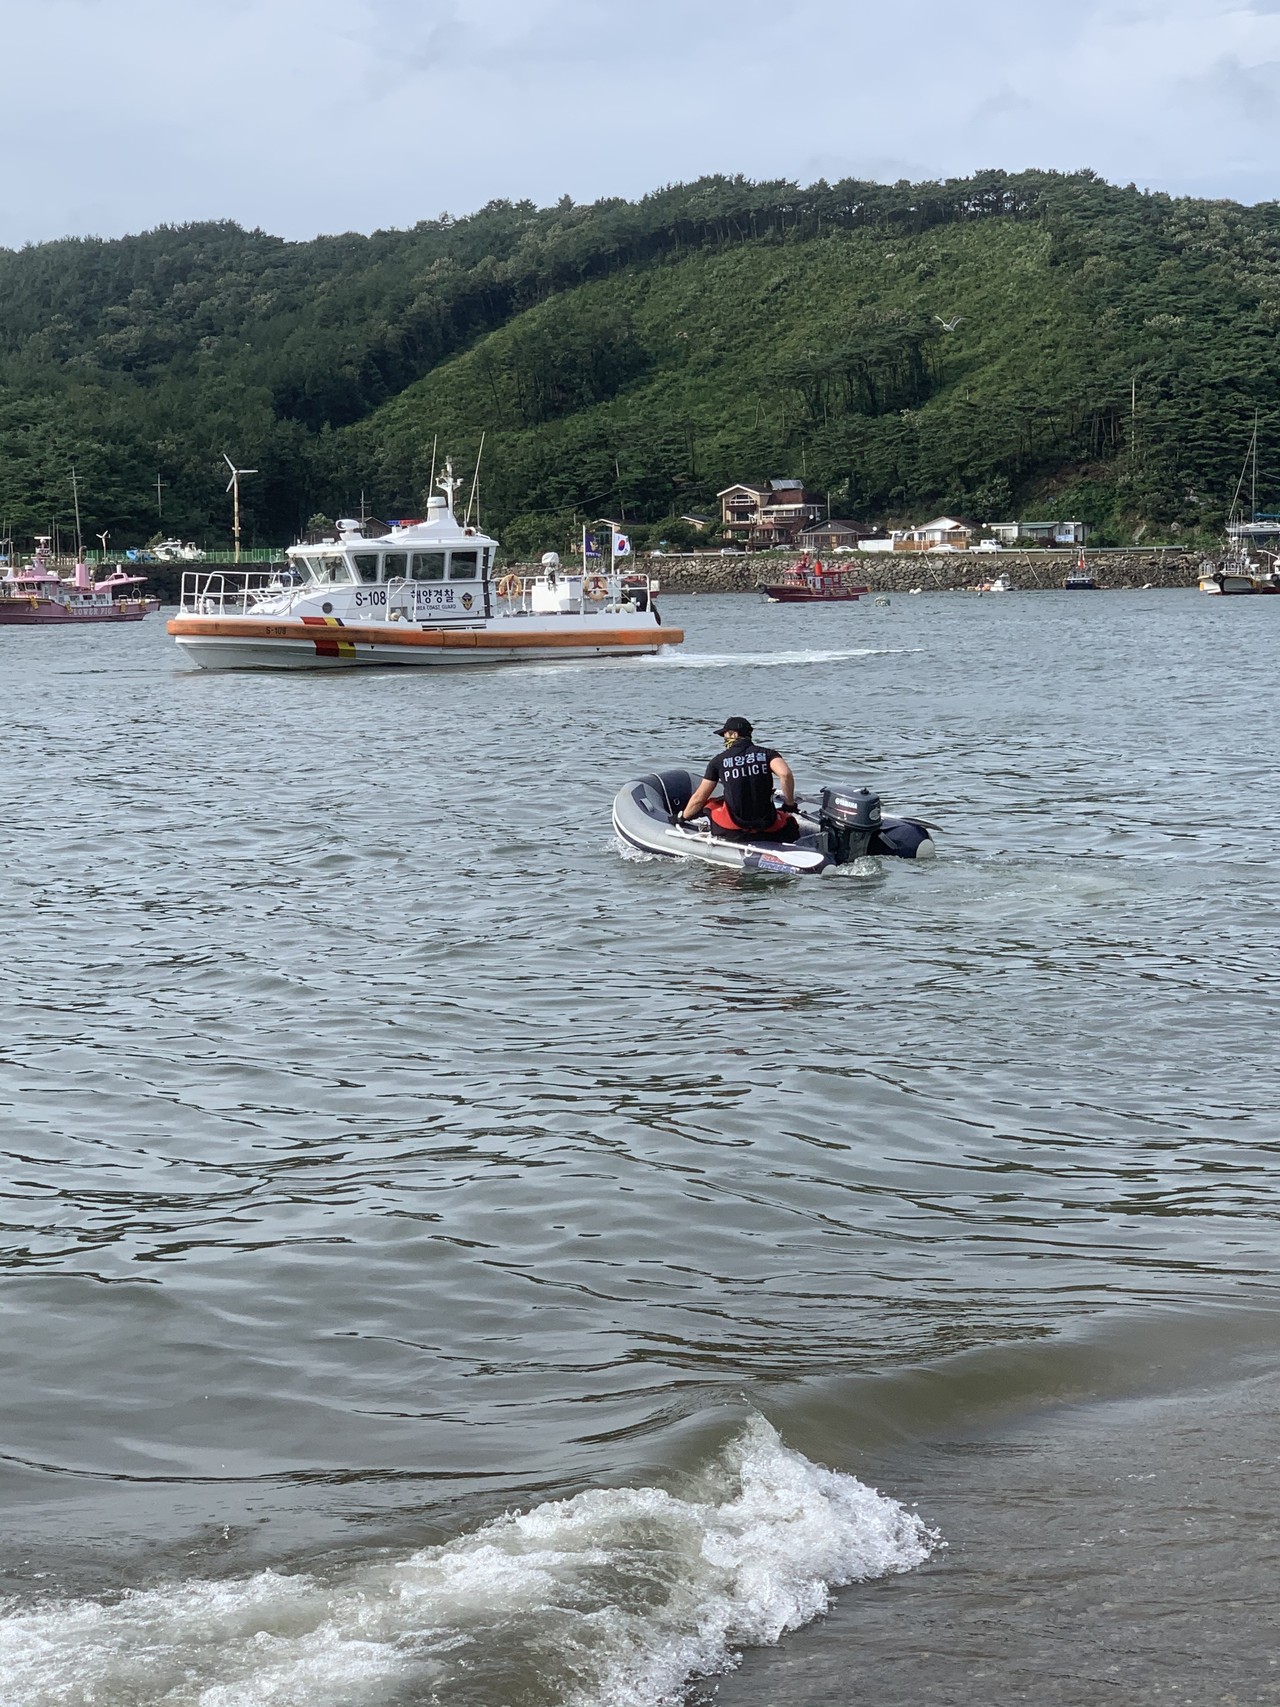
<point>141,558</point>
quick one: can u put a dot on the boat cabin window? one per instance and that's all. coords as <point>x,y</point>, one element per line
<point>332,569</point>
<point>366,563</point>
<point>428,565</point>
<point>395,565</point>
<point>462,566</point>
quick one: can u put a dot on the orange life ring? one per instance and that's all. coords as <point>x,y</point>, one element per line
<point>595,588</point>
<point>510,587</point>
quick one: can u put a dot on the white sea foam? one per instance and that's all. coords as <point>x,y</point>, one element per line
<point>614,1598</point>
<point>640,856</point>
<point>681,660</point>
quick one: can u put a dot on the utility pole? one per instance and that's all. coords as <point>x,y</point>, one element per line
<point>160,485</point>
<point>75,495</point>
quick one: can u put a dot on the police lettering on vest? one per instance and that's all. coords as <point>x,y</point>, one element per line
<point>743,772</point>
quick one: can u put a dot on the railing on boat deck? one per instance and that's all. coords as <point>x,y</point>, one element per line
<point>222,592</point>
<point>513,593</point>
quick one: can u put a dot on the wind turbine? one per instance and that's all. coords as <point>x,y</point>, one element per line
<point>104,536</point>
<point>233,485</point>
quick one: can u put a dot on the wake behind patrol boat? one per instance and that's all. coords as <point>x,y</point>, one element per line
<point>423,593</point>
<point>842,825</point>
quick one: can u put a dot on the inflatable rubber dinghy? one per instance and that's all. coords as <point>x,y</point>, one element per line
<point>841,825</point>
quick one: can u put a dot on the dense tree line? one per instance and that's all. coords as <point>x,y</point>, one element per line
<point>1029,341</point>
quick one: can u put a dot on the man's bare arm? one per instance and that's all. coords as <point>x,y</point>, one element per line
<point>782,770</point>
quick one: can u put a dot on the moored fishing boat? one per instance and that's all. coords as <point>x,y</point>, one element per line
<point>1237,572</point>
<point>1234,574</point>
<point>36,596</point>
<point>813,582</point>
<point>426,592</point>
<point>1080,580</point>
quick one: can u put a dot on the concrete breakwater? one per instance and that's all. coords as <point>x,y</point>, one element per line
<point>882,571</point>
<point>958,571</point>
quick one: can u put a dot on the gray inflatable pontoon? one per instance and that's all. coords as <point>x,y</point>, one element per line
<point>843,824</point>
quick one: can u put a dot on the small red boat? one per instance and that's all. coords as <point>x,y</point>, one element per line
<point>38,595</point>
<point>808,583</point>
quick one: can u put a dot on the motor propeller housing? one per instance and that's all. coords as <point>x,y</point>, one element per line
<point>851,819</point>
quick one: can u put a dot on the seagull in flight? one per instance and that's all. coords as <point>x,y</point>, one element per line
<point>948,325</point>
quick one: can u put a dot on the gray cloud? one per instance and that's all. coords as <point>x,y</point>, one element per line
<point>312,115</point>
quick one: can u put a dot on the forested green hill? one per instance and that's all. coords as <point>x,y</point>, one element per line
<point>991,347</point>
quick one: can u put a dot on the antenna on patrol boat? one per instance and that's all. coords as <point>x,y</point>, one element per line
<point>475,486</point>
<point>233,485</point>
<point>431,483</point>
<point>447,483</point>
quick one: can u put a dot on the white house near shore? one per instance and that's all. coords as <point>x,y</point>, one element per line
<point>943,533</point>
<point>1038,533</point>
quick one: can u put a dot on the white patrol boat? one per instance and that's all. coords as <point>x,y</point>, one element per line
<point>424,593</point>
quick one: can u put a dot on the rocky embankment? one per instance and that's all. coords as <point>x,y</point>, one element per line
<point>882,571</point>
<point>938,571</point>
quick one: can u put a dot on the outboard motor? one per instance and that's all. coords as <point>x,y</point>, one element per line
<point>851,819</point>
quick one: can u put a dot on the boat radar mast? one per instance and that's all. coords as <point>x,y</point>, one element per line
<point>448,483</point>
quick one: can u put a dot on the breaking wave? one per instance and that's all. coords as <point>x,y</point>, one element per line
<point>614,1598</point>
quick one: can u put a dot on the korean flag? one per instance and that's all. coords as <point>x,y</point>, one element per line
<point>621,545</point>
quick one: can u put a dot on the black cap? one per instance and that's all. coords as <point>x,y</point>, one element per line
<point>735,726</point>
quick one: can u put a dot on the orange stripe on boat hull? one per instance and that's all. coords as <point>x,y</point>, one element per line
<point>437,639</point>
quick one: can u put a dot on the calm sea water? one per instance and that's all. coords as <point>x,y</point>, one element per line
<point>446,1261</point>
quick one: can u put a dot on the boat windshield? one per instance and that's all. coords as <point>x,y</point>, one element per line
<point>332,570</point>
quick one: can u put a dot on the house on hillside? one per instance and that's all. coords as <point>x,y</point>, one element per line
<point>699,524</point>
<point>943,531</point>
<point>833,535</point>
<point>772,514</point>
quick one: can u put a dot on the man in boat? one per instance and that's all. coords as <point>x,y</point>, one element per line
<point>745,773</point>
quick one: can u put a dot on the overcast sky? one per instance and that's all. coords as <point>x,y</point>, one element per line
<point>304,116</point>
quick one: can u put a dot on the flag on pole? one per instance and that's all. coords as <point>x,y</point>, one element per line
<point>590,545</point>
<point>621,544</point>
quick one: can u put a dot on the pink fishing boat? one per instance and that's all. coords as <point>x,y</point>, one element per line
<point>37,595</point>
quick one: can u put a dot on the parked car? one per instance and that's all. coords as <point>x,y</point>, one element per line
<point>178,551</point>
<point>988,545</point>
